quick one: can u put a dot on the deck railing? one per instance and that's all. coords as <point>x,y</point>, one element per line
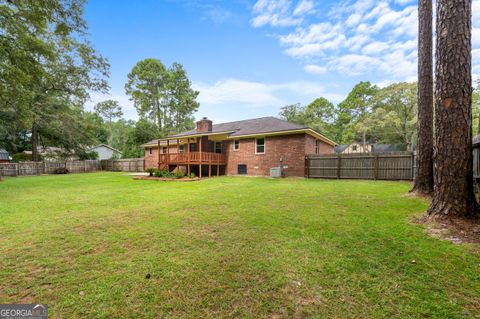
<point>192,158</point>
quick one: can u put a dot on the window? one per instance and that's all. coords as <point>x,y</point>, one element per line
<point>218,147</point>
<point>164,150</point>
<point>242,169</point>
<point>150,151</point>
<point>354,147</point>
<point>181,148</point>
<point>193,147</point>
<point>260,145</point>
<point>317,146</point>
<point>236,145</point>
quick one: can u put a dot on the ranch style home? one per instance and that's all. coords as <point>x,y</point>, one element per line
<point>249,147</point>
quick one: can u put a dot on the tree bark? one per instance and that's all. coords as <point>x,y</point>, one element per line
<point>34,142</point>
<point>453,195</point>
<point>423,182</point>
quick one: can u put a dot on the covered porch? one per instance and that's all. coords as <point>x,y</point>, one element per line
<point>202,154</point>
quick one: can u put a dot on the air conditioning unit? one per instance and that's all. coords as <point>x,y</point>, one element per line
<point>275,172</point>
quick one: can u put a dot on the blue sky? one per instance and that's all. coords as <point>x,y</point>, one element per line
<point>250,58</point>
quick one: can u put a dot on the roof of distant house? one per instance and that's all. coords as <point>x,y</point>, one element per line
<point>244,128</point>
<point>105,145</point>
<point>381,148</point>
<point>376,148</point>
<point>4,154</point>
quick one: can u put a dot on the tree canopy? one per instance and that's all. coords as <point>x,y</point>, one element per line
<point>162,95</point>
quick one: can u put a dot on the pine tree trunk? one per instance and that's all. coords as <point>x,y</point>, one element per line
<point>423,182</point>
<point>453,195</point>
<point>34,142</point>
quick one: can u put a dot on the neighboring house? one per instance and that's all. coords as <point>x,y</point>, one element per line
<point>358,147</point>
<point>355,147</point>
<point>4,156</point>
<point>249,147</point>
<point>52,153</point>
<point>105,151</point>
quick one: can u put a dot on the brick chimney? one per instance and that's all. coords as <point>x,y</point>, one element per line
<point>204,125</point>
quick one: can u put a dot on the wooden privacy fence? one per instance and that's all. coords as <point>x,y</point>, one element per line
<point>38,168</point>
<point>124,165</point>
<point>387,166</point>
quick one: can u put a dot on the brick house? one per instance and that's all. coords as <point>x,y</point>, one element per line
<point>249,147</point>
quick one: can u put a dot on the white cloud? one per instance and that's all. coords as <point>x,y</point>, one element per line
<point>236,91</point>
<point>218,15</point>
<point>251,93</point>
<point>375,48</point>
<point>275,13</point>
<point>304,7</point>
<point>281,13</point>
<point>315,69</point>
<point>359,37</point>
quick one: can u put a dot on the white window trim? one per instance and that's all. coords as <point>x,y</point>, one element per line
<point>236,149</point>
<point>264,145</point>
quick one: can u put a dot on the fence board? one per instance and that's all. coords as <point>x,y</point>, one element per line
<point>124,165</point>
<point>386,166</point>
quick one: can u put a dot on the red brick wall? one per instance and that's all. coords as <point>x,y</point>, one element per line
<point>151,160</point>
<point>310,146</point>
<point>204,126</point>
<point>289,147</point>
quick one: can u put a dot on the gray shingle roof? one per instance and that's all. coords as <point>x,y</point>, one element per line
<point>340,148</point>
<point>380,148</point>
<point>246,127</point>
<point>4,154</point>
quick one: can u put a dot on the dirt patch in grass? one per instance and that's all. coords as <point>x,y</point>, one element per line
<point>456,231</point>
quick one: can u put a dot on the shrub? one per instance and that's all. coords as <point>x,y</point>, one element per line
<point>150,171</point>
<point>158,173</point>
<point>61,170</point>
<point>192,175</point>
<point>86,155</point>
<point>179,173</point>
<point>168,174</point>
<point>22,157</point>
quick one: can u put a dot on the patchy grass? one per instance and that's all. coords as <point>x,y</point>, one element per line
<point>227,247</point>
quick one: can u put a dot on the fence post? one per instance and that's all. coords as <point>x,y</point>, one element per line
<point>413,165</point>
<point>307,167</point>
<point>85,166</point>
<point>339,166</point>
<point>17,169</point>
<point>376,167</point>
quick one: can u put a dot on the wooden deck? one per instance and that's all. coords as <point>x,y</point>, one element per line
<point>193,158</point>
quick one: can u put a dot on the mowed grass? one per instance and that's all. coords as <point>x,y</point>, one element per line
<point>227,247</point>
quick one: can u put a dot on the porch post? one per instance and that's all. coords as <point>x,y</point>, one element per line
<point>188,156</point>
<point>178,154</point>
<point>168,155</point>
<point>200,165</point>
<point>159,160</point>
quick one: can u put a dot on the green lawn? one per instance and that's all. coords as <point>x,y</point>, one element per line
<point>227,247</point>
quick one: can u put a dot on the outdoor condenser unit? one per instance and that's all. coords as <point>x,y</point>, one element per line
<point>275,172</point>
